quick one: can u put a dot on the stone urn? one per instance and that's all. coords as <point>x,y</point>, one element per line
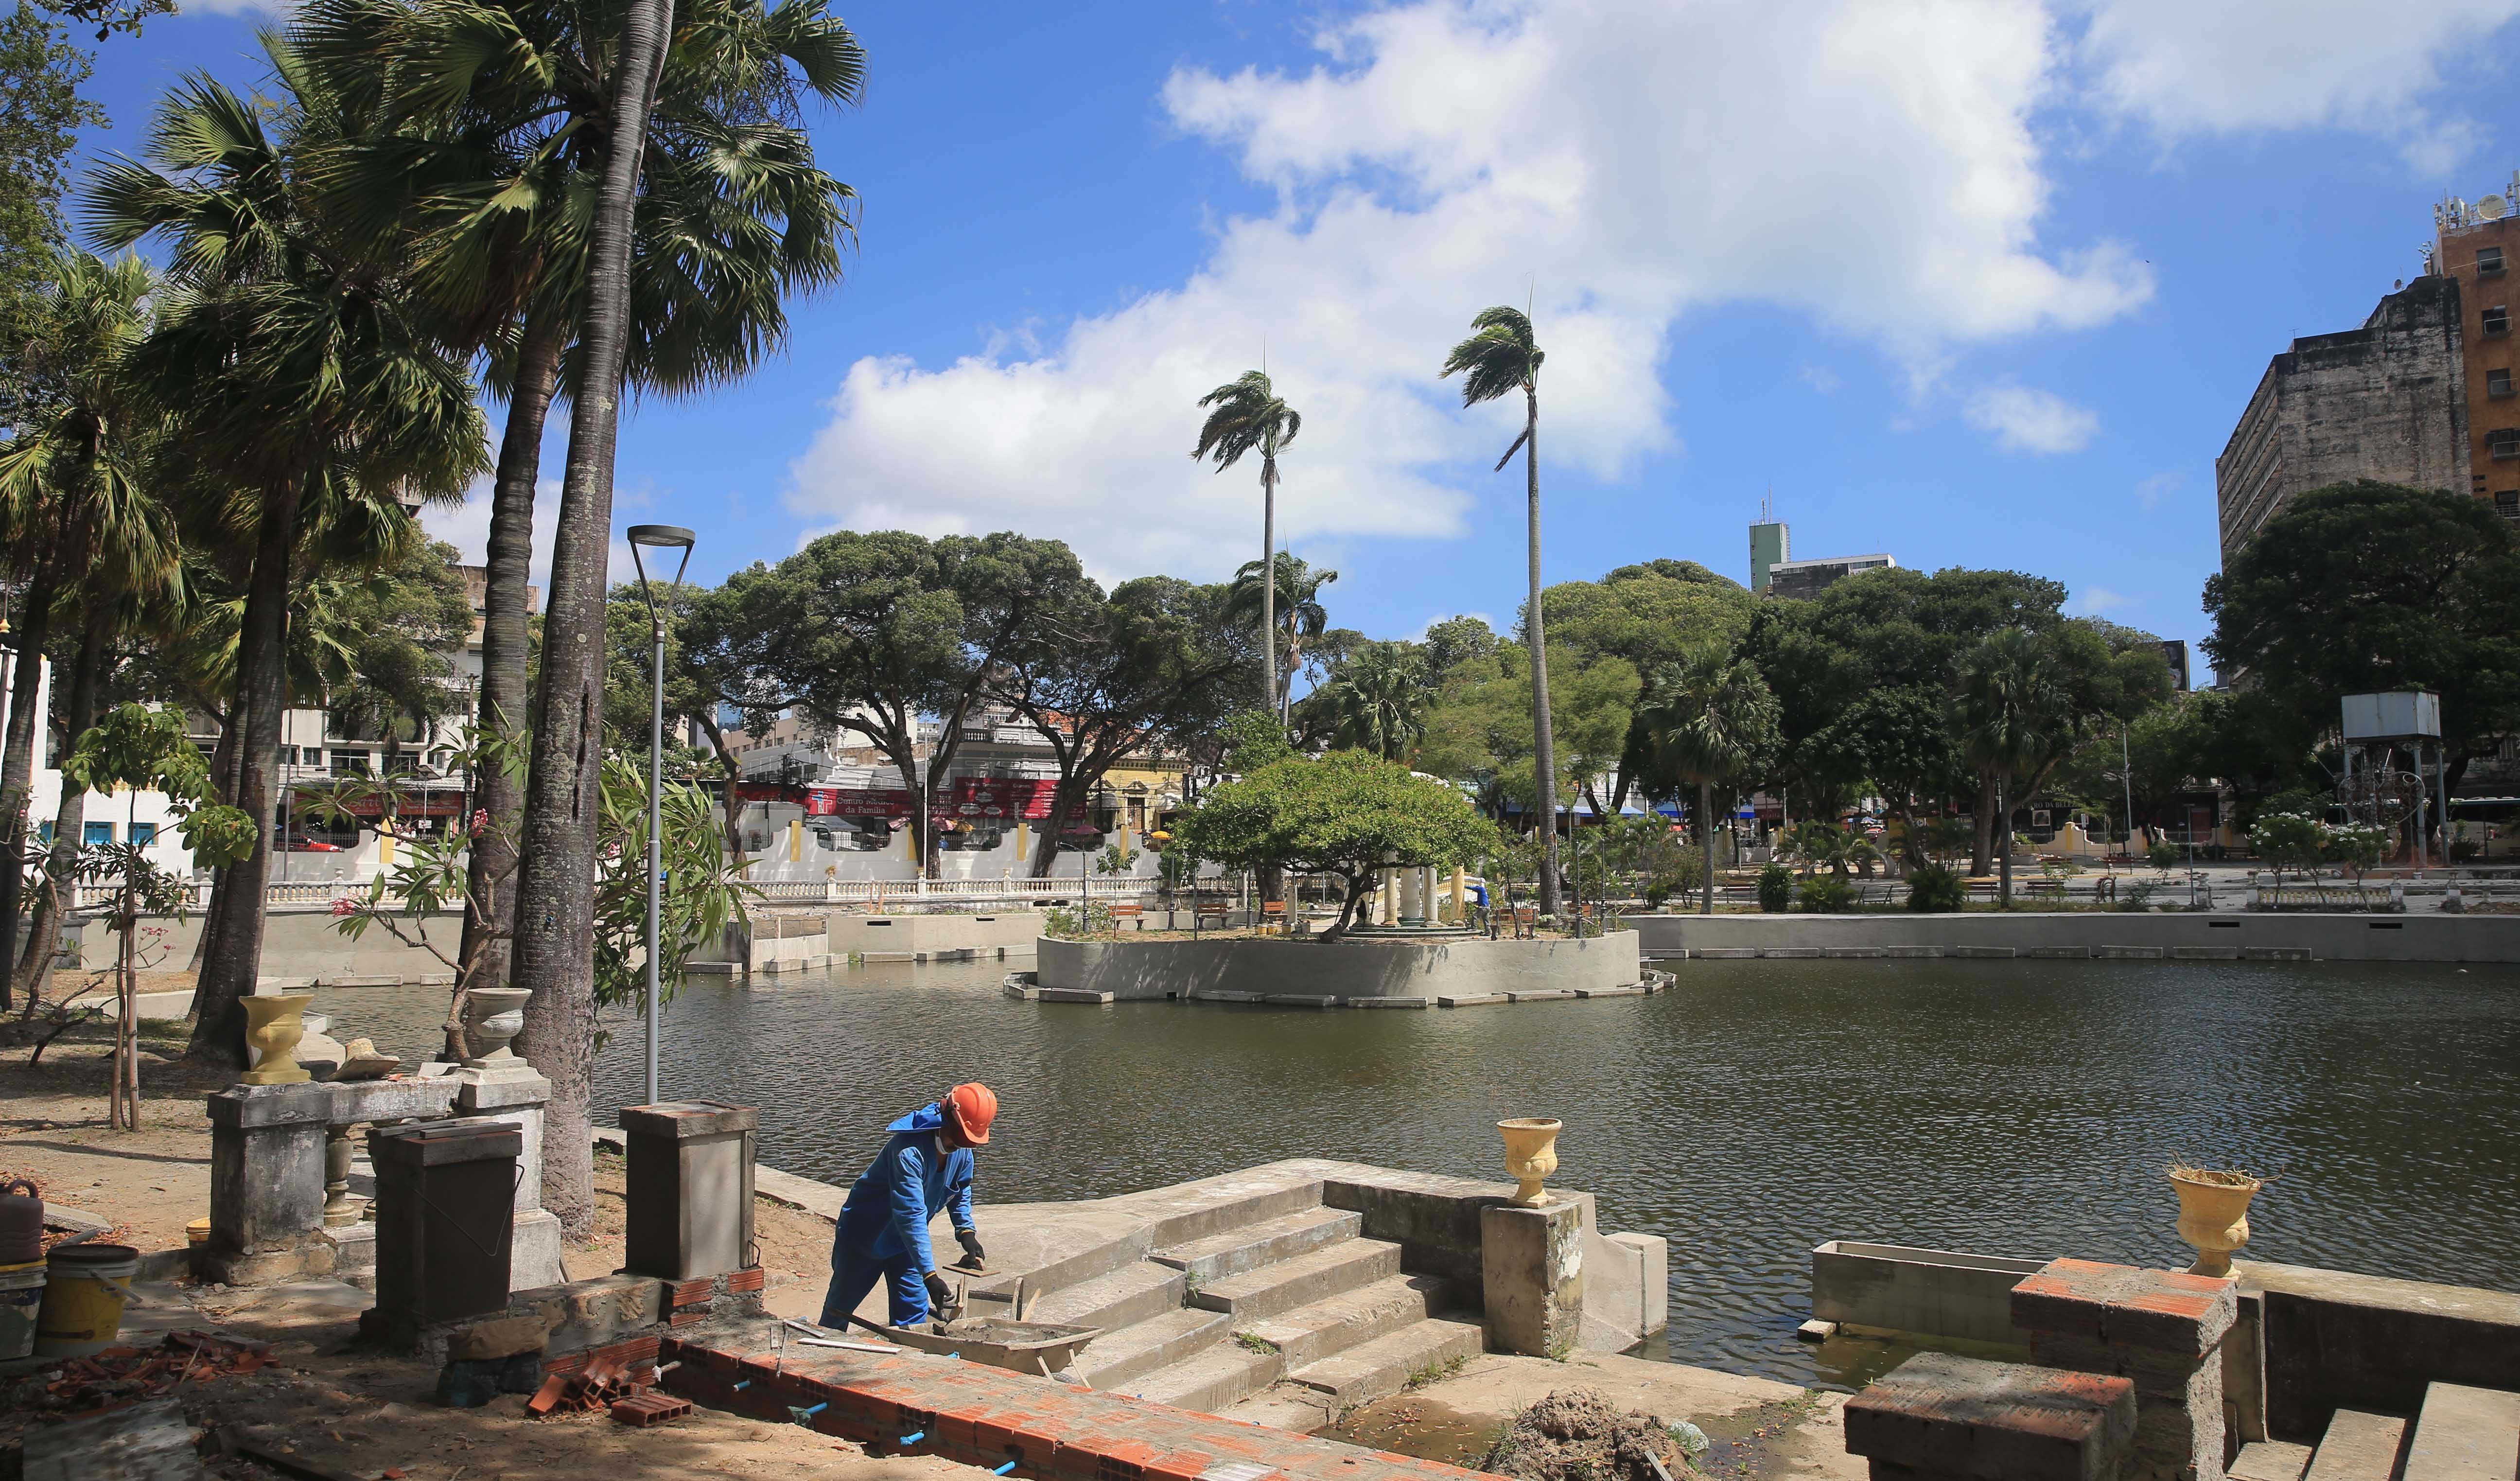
<point>1531,1156</point>
<point>493,1016</point>
<point>273,1025</point>
<point>2213,1215</point>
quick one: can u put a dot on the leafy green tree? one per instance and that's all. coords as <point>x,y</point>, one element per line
<point>1346,813</point>
<point>1295,599</point>
<point>298,376</point>
<point>1500,357</point>
<point>2288,842</point>
<point>2015,719</point>
<point>41,114</point>
<point>1455,643</point>
<point>1378,702</point>
<point>2368,587</point>
<point>401,626</point>
<point>1104,677</point>
<point>1245,416</point>
<point>1706,720</point>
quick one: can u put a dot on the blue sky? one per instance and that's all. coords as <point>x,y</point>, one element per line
<point>1978,284</point>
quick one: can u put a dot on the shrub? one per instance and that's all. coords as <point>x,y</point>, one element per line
<point>2288,842</point>
<point>2464,850</point>
<point>1775,889</point>
<point>1827,895</point>
<point>2163,853</point>
<point>1935,887</point>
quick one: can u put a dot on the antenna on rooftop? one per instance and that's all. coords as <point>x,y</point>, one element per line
<point>2491,207</point>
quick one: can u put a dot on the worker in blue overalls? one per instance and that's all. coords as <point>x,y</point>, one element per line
<point>926,1166</point>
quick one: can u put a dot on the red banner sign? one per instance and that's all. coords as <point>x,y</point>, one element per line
<point>978,801</point>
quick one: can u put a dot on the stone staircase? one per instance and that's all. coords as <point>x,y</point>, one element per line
<point>2463,1434</point>
<point>1297,1299</point>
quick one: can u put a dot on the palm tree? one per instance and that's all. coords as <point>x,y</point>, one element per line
<point>507,101</point>
<point>2013,720</point>
<point>1707,719</point>
<point>1377,701</point>
<point>306,385</point>
<point>1248,414</point>
<point>1291,607</point>
<point>1502,356</point>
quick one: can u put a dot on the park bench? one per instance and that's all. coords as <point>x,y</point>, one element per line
<point>1208,910</point>
<point>1130,912</point>
<point>1273,916</point>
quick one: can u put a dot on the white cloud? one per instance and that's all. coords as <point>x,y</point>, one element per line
<point>2233,65</point>
<point>2092,601</point>
<point>2149,491</point>
<point>1869,165</point>
<point>2026,419</point>
<point>1818,378</point>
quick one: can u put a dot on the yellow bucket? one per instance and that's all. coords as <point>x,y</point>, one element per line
<point>85,1286</point>
<point>21,1291</point>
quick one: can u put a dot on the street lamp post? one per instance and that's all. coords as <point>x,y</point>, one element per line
<point>656,537</point>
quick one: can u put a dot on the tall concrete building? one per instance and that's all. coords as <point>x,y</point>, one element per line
<point>2422,394</point>
<point>1771,545</point>
<point>1810,578</point>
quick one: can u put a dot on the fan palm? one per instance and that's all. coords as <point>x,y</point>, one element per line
<point>308,383</point>
<point>503,107</point>
<point>1377,701</point>
<point>2013,713</point>
<point>77,496</point>
<point>1245,416</point>
<point>1499,357</point>
<point>1289,608</point>
<point>1707,719</point>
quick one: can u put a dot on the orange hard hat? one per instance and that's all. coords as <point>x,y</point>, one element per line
<point>972,1108</point>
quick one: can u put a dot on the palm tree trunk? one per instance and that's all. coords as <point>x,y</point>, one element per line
<point>217,919</point>
<point>1980,852</point>
<point>18,757</point>
<point>556,879</point>
<point>1706,835</point>
<point>70,819</point>
<point>2003,836</point>
<point>504,598</point>
<point>1269,584</point>
<point>1544,742</point>
<point>261,705</point>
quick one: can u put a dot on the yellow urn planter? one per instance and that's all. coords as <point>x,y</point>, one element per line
<point>273,1024</point>
<point>2213,1215</point>
<point>1531,1156</point>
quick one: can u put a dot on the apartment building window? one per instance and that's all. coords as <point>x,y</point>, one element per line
<point>2489,261</point>
<point>142,834</point>
<point>349,763</point>
<point>99,835</point>
<point>2507,503</point>
<point>288,755</point>
<point>2504,442</point>
<point>2497,321</point>
<point>2497,382</point>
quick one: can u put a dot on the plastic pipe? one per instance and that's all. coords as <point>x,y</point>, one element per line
<point>913,1437</point>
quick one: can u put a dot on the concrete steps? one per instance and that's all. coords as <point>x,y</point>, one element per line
<point>2465,1434</point>
<point>1214,1379</point>
<point>1383,1367</point>
<point>2268,1460</point>
<point>2357,1447</point>
<point>1310,1334</point>
<point>1121,1298</point>
<point>1300,1280</point>
<point>1115,1358</point>
<point>1236,1250</point>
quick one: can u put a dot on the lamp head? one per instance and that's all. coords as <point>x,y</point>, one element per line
<point>661,536</point>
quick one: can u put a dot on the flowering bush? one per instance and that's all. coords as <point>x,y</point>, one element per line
<point>2293,841</point>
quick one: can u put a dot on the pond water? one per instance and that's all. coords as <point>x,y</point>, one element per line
<point>1760,1109</point>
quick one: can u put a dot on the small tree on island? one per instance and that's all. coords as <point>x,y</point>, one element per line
<point>1348,814</point>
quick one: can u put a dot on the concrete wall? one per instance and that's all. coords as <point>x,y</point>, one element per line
<point>1158,969</point>
<point>2327,938</point>
<point>1932,1292</point>
<point>1007,929</point>
<point>2338,1340</point>
<point>302,944</point>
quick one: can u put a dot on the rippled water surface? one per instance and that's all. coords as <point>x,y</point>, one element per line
<point>2010,1109</point>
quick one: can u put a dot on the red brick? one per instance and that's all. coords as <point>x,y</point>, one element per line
<point>745,1279</point>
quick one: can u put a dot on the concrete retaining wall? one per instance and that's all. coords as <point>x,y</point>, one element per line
<point>2339,1340</point>
<point>1934,1292</point>
<point>1134,969</point>
<point>1010,932</point>
<point>299,944</point>
<point>2166,936</point>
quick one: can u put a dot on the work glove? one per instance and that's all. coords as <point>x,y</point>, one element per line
<point>970,1239</point>
<point>940,1295</point>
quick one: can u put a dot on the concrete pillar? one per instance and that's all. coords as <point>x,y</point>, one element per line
<point>2162,1330</point>
<point>1413,897</point>
<point>1460,894</point>
<point>690,1189</point>
<point>445,1211</point>
<point>1532,1276</point>
<point>1386,904</point>
<point>796,839</point>
<point>267,1184</point>
<point>511,1091</point>
<point>1941,1418</point>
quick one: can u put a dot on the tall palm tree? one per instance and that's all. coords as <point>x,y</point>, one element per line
<point>1377,701</point>
<point>506,104</point>
<point>2013,720</point>
<point>1705,720</point>
<point>1499,357</point>
<point>78,493</point>
<point>1247,415</point>
<point>307,386</point>
<point>1289,608</point>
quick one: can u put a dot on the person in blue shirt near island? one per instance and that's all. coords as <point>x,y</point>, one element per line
<point>926,1166</point>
